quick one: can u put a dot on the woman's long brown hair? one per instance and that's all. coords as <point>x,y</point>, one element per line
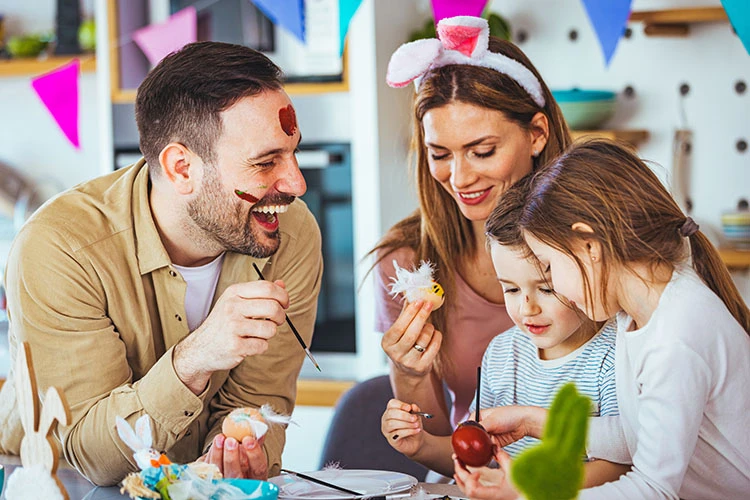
<point>633,216</point>
<point>437,231</point>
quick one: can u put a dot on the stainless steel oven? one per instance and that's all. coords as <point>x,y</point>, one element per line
<point>327,170</point>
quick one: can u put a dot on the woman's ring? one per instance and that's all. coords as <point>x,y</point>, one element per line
<point>418,347</point>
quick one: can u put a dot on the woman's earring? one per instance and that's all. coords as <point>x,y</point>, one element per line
<point>535,154</point>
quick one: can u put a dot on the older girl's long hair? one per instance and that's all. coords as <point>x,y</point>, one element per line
<point>437,231</point>
<point>633,216</point>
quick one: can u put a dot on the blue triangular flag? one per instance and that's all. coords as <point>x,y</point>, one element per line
<point>347,8</point>
<point>609,18</point>
<point>290,14</point>
<point>739,15</point>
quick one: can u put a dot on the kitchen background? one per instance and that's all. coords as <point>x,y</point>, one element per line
<point>682,101</point>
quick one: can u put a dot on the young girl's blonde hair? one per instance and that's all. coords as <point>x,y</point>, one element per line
<point>633,217</point>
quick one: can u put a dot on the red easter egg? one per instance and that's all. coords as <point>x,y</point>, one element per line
<point>472,444</point>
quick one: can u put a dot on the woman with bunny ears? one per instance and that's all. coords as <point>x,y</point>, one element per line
<point>483,118</point>
<point>616,243</point>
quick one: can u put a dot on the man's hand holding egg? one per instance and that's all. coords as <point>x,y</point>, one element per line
<point>244,422</point>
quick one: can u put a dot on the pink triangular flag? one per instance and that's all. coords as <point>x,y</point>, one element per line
<point>450,8</point>
<point>160,40</point>
<point>58,91</point>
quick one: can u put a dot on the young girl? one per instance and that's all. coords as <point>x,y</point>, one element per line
<point>615,242</point>
<point>551,344</point>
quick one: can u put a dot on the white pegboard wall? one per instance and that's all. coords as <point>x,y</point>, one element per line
<point>710,59</point>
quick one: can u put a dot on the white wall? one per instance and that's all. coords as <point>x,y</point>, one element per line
<point>710,60</point>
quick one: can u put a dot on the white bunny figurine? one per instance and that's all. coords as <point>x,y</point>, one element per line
<point>140,442</point>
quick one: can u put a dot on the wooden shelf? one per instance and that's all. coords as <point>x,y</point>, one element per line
<point>735,259</point>
<point>675,22</point>
<point>311,392</point>
<point>34,67</point>
<point>632,137</point>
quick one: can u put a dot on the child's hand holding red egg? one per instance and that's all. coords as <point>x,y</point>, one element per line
<point>472,444</point>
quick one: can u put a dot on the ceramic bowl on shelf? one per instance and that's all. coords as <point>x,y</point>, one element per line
<point>586,109</point>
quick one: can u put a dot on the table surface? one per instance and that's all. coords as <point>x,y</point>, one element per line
<point>79,487</point>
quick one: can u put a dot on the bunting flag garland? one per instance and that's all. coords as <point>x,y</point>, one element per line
<point>449,8</point>
<point>58,91</point>
<point>159,40</point>
<point>738,12</point>
<point>290,14</point>
<point>609,20</point>
<point>347,8</point>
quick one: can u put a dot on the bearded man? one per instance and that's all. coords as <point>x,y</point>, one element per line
<point>137,293</point>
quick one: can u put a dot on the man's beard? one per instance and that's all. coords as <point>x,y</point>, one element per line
<point>225,219</point>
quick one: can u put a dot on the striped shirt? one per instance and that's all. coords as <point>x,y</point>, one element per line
<point>513,374</point>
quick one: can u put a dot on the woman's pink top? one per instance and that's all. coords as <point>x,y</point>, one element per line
<point>471,324</point>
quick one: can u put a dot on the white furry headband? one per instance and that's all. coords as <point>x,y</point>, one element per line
<point>461,40</point>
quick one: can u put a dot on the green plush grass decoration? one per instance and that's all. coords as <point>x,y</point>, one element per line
<point>554,467</point>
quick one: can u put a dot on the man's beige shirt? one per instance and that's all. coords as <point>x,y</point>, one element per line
<point>92,289</point>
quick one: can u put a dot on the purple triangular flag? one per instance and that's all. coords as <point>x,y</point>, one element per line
<point>609,19</point>
<point>58,91</point>
<point>289,14</point>
<point>160,40</point>
<point>450,8</point>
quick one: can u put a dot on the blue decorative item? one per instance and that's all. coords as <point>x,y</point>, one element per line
<point>289,14</point>
<point>347,8</point>
<point>586,109</point>
<point>609,19</point>
<point>258,490</point>
<point>738,12</point>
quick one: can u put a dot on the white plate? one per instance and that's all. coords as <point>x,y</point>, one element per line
<point>366,482</point>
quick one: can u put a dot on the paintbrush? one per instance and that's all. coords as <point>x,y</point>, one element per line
<point>291,325</point>
<point>322,483</point>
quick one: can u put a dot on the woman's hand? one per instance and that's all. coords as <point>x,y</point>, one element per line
<point>483,483</point>
<point>411,343</point>
<point>402,429</point>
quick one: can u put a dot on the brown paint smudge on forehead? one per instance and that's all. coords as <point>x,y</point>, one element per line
<point>288,119</point>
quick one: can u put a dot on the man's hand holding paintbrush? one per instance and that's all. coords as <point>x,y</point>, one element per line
<point>244,319</point>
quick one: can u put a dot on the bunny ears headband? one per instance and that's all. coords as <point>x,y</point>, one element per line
<point>461,40</point>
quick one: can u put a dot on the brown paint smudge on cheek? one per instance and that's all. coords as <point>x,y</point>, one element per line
<point>246,196</point>
<point>288,119</point>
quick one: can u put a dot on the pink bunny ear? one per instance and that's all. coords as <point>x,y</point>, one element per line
<point>463,40</point>
<point>411,61</point>
<point>465,34</point>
